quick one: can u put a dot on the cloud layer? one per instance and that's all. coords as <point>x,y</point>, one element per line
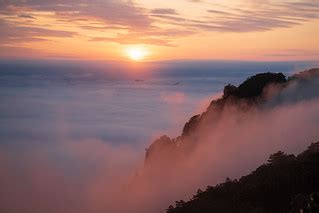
<point>126,22</point>
<point>92,176</point>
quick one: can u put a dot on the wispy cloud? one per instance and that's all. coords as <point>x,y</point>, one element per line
<point>108,11</point>
<point>262,17</point>
<point>164,11</point>
<point>127,22</point>
<point>25,15</point>
<point>12,33</point>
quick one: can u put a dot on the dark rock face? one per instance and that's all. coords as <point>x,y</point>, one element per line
<point>191,125</point>
<point>229,90</point>
<point>159,149</point>
<point>249,93</point>
<point>245,97</point>
<point>254,86</point>
<point>305,74</point>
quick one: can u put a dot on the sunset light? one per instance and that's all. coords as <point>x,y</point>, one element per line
<point>199,30</point>
<point>152,106</point>
<point>137,53</point>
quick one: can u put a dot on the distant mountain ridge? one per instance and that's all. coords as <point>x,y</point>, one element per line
<point>251,93</point>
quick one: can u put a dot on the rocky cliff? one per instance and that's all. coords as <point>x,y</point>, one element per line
<point>256,92</point>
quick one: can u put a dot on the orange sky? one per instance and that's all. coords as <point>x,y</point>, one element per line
<point>179,29</point>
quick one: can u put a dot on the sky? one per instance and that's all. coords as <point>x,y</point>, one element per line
<point>160,30</point>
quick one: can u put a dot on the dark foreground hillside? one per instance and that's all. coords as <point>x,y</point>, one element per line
<point>286,183</point>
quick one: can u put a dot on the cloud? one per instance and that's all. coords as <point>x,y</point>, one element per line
<point>12,33</point>
<point>153,36</point>
<point>93,176</point>
<point>108,15</point>
<point>177,98</point>
<point>38,181</point>
<point>127,22</point>
<point>288,123</point>
<point>108,11</point>
<point>164,11</point>
<point>25,15</point>
<point>293,53</point>
<point>170,17</point>
<point>261,17</point>
<point>129,39</point>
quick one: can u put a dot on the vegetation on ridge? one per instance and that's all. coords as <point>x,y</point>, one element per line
<point>286,183</point>
<point>246,95</point>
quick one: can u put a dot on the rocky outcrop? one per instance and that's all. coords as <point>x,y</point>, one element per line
<point>250,94</point>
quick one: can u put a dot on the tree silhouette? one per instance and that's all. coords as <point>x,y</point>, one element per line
<point>286,183</point>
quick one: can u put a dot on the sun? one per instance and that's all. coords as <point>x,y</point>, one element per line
<point>137,53</point>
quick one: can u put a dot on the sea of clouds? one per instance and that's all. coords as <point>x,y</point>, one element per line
<point>76,144</point>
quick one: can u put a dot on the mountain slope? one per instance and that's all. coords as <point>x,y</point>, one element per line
<point>283,184</point>
<point>236,133</point>
<point>254,93</point>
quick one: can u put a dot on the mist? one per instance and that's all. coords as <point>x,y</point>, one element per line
<point>236,145</point>
<point>90,175</point>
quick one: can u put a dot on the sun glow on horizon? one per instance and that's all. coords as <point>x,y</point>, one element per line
<point>136,53</point>
<point>153,30</point>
